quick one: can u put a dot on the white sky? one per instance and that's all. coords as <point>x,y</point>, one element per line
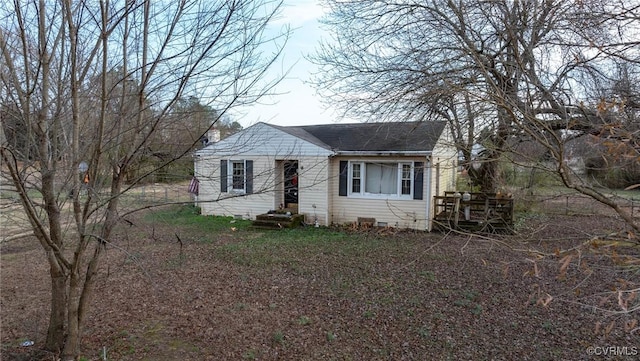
<point>298,103</point>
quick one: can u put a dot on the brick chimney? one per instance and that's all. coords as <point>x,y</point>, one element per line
<point>213,135</point>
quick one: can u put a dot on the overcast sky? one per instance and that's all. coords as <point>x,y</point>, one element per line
<point>298,103</point>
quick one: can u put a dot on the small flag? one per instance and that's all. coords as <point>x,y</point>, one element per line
<point>194,186</point>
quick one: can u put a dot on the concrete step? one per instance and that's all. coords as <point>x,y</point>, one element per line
<point>277,221</point>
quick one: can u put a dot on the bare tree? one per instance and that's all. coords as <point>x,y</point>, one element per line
<point>408,60</point>
<point>87,85</point>
<point>502,72</point>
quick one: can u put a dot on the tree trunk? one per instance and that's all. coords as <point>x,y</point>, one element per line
<point>489,182</point>
<point>80,293</point>
<point>57,316</point>
<point>72,342</point>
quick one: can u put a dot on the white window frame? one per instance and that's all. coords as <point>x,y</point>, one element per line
<point>363,180</point>
<point>230,183</point>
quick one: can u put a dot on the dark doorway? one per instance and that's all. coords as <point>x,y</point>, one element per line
<point>291,184</point>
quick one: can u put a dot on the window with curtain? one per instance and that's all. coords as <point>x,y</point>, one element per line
<point>381,179</point>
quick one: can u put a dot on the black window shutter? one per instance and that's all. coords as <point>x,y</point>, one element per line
<point>249,174</point>
<point>344,174</point>
<point>418,182</point>
<point>223,176</point>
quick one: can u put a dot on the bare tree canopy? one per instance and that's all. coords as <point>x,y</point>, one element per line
<point>87,88</point>
<point>406,58</point>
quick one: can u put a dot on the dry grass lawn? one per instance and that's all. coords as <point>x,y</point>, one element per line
<point>329,294</point>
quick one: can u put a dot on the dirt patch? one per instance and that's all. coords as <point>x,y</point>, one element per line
<point>405,296</point>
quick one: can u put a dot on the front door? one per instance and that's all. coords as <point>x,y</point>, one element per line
<point>291,184</point>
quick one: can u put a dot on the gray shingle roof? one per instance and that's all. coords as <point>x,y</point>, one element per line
<point>371,137</point>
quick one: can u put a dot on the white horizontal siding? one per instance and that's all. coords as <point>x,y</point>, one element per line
<point>267,188</point>
<point>446,155</point>
<point>312,189</point>
<point>214,202</point>
<point>443,169</point>
<point>265,145</point>
<point>263,139</point>
<point>395,213</point>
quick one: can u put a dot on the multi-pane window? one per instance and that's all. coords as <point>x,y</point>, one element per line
<point>381,179</point>
<point>356,179</point>
<point>406,179</point>
<point>237,175</point>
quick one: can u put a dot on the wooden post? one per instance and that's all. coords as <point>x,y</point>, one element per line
<point>437,178</point>
<point>456,210</point>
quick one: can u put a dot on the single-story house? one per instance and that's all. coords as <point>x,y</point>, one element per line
<point>332,174</point>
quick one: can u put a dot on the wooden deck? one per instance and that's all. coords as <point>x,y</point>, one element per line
<point>477,212</point>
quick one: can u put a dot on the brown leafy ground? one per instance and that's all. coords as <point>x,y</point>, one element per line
<point>317,294</point>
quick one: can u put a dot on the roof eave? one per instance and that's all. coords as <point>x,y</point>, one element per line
<point>383,152</point>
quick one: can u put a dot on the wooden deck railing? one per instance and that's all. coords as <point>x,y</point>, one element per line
<point>474,211</point>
